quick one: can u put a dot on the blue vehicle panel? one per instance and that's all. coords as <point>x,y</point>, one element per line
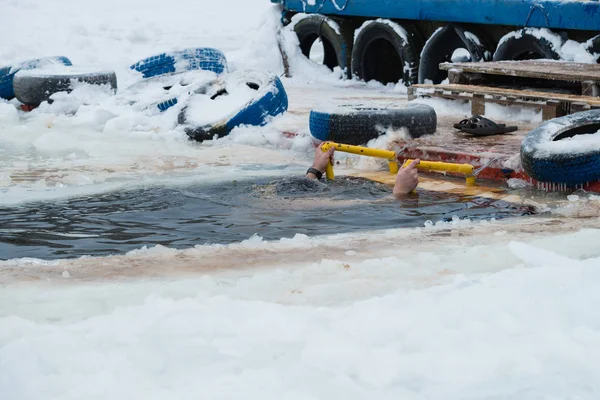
<point>554,14</point>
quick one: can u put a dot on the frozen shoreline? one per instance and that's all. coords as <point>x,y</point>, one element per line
<point>496,312</point>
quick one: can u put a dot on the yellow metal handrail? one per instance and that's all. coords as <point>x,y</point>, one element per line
<point>466,169</point>
<point>362,151</point>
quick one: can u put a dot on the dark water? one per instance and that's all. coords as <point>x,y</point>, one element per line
<point>223,213</point>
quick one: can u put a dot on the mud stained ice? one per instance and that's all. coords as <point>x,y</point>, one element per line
<point>249,256</point>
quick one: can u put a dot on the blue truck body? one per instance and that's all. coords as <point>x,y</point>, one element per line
<point>564,14</point>
<point>406,40</point>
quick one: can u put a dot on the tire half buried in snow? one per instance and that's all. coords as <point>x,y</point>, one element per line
<point>7,74</point>
<point>563,150</point>
<point>357,124</point>
<point>34,86</point>
<point>249,97</point>
<point>204,58</point>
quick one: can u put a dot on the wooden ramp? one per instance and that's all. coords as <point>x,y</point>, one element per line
<point>454,186</point>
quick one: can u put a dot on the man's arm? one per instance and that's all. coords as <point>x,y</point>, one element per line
<point>407,179</point>
<point>320,163</point>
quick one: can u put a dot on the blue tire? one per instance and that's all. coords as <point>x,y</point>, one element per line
<point>357,124</point>
<point>7,74</point>
<point>162,92</point>
<point>268,100</point>
<point>545,158</point>
<point>204,58</point>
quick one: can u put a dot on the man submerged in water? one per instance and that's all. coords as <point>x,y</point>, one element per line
<point>407,178</point>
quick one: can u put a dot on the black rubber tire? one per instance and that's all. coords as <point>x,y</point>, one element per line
<point>32,87</point>
<point>7,74</point>
<point>337,46</point>
<point>381,54</point>
<point>570,168</point>
<point>442,44</point>
<point>357,124</point>
<point>269,101</point>
<point>526,46</point>
<point>593,47</point>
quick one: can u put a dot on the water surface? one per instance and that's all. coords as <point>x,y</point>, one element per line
<point>182,217</point>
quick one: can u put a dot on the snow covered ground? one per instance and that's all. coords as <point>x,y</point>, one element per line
<point>457,311</point>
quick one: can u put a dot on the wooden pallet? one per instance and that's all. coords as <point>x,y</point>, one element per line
<point>587,76</point>
<point>552,104</point>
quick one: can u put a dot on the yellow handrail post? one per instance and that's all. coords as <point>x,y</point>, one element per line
<point>329,171</point>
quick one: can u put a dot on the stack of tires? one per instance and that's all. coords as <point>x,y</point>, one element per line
<point>190,76</point>
<point>211,105</point>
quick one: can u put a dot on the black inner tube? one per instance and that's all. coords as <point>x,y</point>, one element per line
<point>580,130</point>
<point>329,56</point>
<point>382,62</point>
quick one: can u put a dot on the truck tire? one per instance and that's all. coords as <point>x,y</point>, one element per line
<point>563,163</point>
<point>7,74</point>
<point>440,47</point>
<point>529,44</point>
<point>32,87</point>
<point>358,124</point>
<point>268,100</point>
<point>593,47</point>
<point>205,58</point>
<point>336,36</point>
<point>386,52</point>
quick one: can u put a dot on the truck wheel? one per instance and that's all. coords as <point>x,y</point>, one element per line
<point>386,52</point>
<point>547,158</point>
<point>593,47</point>
<point>441,46</point>
<point>7,74</point>
<point>34,86</point>
<point>336,36</point>
<point>204,58</point>
<point>242,98</point>
<point>529,44</point>
<point>358,124</point>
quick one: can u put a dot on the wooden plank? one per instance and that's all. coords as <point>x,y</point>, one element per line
<point>552,70</point>
<point>455,76</point>
<point>550,110</point>
<point>478,104</point>
<point>485,90</point>
<point>411,93</point>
